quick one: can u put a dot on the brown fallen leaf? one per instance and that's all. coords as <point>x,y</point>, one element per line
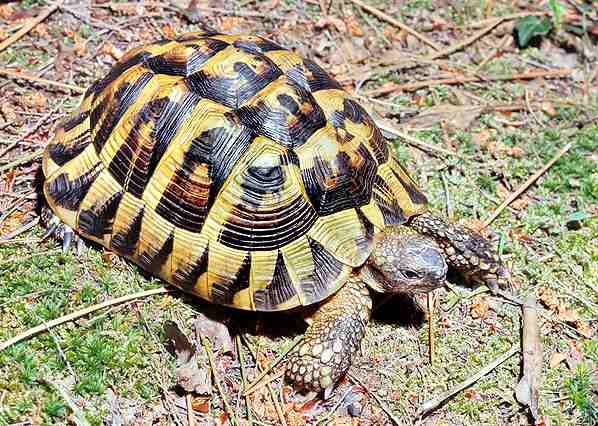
<point>353,26</point>
<point>527,391</point>
<point>574,355</point>
<point>519,203</point>
<point>556,359</point>
<point>567,315</point>
<point>215,331</point>
<point>35,100</point>
<point>584,328</point>
<point>201,404</point>
<point>549,109</point>
<point>189,375</point>
<point>6,11</point>
<point>471,394</point>
<point>331,21</point>
<point>41,30</point>
<point>548,297</point>
<point>479,307</point>
<point>111,50</point>
<point>168,31</point>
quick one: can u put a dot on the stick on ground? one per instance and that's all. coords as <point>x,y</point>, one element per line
<point>430,149</point>
<point>396,23</point>
<point>432,404</point>
<point>46,82</point>
<point>411,87</point>
<point>28,26</point>
<point>527,391</point>
<point>526,185</point>
<point>80,313</point>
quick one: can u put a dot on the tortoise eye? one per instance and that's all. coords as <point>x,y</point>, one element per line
<point>409,274</point>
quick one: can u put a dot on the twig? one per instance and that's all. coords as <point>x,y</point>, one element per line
<point>410,87</point>
<point>275,401</point>
<point>492,54</point>
<point>78,314</point>
<point>272,366</point>
<point>396,23</point>
<point>530,109</point>
<point>78,415</point>
<point>469,40</point>
<point>431,300</point>
<point>512,17</point>
<point>28,27</point>
<point>29,132</point>
<point>527,390</point>
<point>415,142</point>
<point>244,378</point>
<point>231,414</point>
<point>8,238</point>
<point>21,75</point>
<point>23,160</point>
<point>381,403</point>
<point>526,185</point>
<point>434,403</point>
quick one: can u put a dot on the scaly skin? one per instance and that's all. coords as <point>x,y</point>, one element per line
<point>333,338</point>
<point>464,250</point>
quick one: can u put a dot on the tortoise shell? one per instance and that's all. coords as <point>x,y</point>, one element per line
<point>230,167</point>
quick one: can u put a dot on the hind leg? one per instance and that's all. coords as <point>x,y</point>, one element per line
<point>55,228</point>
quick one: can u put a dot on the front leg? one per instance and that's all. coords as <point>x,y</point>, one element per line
<point>332,339</point>
<point>465,250</point>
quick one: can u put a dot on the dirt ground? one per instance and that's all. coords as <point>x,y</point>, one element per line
<point>473,115</point>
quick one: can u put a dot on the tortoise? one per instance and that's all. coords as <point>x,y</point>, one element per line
<point>242,173</point>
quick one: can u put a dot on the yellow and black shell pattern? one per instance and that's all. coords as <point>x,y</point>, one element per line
<point>230,167</point>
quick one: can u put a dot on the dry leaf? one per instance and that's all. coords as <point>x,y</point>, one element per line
<point>479,307</point>
<point>331,21</point>
<point>215,331</point>
<point>6,11</point>
<point>201,404</point>
<point>519,235</point>
<point>556,359</point>
<point>189,375</point>
<point>548,297</point>
<point>345,421</point>
<point>129,9</point>
<point>227,23</point>
<point>548,109</point>
<point>109,257</point>
<point>36,100</point>
<point>583,328</point>
<point>482,137</point>
<point>111,50</point>
<point>514,151</point>
<point>567,315</point>
<point>353,26</point>
<point>168,31</point>
<point>471,394</point>
<point>293,417</point>
<point>574,355</point>
<point>41,30</point>
<point>80,47</point>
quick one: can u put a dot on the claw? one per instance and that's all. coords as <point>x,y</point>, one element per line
<point>50,231</point>
<point>80,246</point>
<point>67,239</point>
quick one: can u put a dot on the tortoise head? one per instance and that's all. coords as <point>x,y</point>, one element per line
<point>406,262</point>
